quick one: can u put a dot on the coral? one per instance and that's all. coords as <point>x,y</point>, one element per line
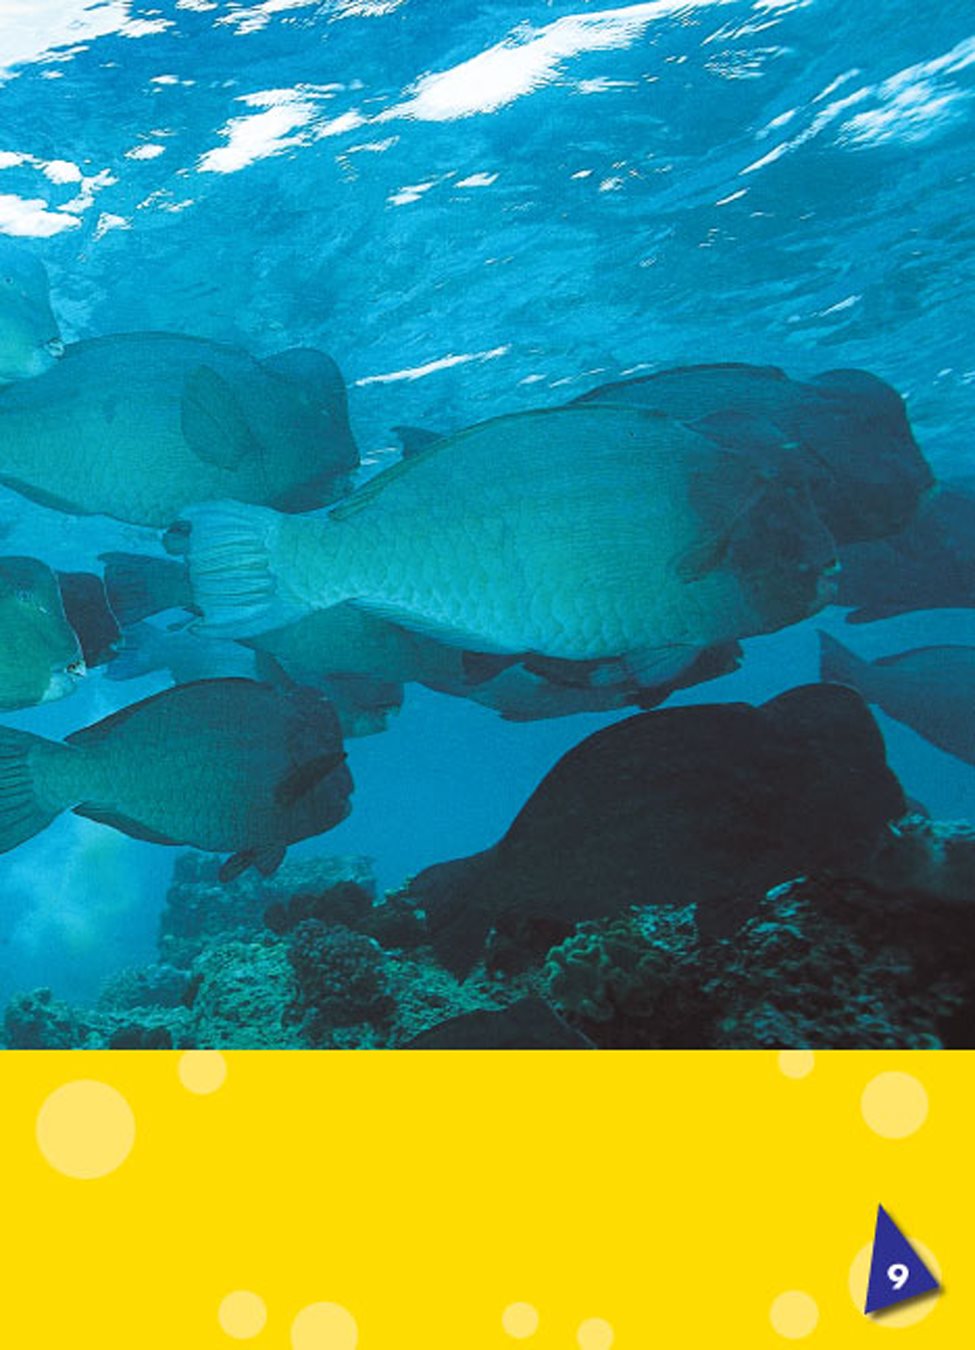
<point>341,979</point>
<point>393,922</point>
<point>240,994</point>
<point>39,1021</point>
<point>159,986</point>
<point>631,981</point>
<point>200,907</point>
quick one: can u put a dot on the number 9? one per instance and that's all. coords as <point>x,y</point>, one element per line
<point>898,1275</point>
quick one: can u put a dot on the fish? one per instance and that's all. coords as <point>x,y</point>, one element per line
<point>40,656</point>
<point>30,342</point>
<point>361,663</point>
<point>930,689</point>
<point>88,612</point>
<point>928,565</point>
<point>575,533</point>
<point>138,586</point>
<point>137,426</point>
<point>527,1024</point>
<point>226,765</point>
<point>712,803</point>
<point>848,430</point>
<point>146,648</point>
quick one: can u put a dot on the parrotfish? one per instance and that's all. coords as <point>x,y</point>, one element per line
<point>713,804</point>
<point>931,689</point>
<point>230,766</point>
<point>29,338</point>
<point>40,656</point>
<point>846,429</point>
<point>579,533</point>
<point>139,425</point>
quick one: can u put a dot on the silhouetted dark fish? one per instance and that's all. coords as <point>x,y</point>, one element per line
<point>714,804</point>
<point>89,614</point>
<point>929,565</point>
<point>139,425</point>
<point>847,428</point>
<point>40,656</point>
<point>931,689</point>
<point>229,766</point>
<point>528,1024</point>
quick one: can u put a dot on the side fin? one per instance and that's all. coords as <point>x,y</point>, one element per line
<point>22,813</point>
<point>301,780</point>
<point>215,428</point>
<point>482,667</point>
<point>267,858</point>
<point>415,439</point>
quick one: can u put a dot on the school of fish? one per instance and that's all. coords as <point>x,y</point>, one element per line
<point>583,557</point>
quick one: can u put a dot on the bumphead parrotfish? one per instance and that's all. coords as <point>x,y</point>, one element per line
<point>713,804</point>
<point>361,662</point>
<point>230,766</point>
<point>846,429</point>
<point>139,425</point>
<point>29,338</point>
<point>40,657</point>
<point>931,689</point>
<point>578,533</point>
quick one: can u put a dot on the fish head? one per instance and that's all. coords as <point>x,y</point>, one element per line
<point>29,339</point>
<point>774,543</point>
<point>40,655</point>
<point>867,473</point>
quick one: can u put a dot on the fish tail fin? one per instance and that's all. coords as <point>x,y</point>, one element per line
<point>234,554</point>
<point>458,917</point>
<point>23,812</point>
<point>838,665</point>
<point>138,585</point>
<point>142,651</point>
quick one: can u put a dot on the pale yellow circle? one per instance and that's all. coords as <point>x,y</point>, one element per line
<point>324,1326</point>
<point>202,1071</point>
<point>794,1315</point>
<point>595,1334</point>
<point>85,1129</point>
<point>520,1320</point>
<point>796,1063</point>
<point>905,1314</point>
<point>894,1105</point>
<point>242,1314</point>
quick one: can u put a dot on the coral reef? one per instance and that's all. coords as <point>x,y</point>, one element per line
<point>311,958</point>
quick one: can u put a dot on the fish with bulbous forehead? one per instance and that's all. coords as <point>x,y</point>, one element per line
<point>227,765</point>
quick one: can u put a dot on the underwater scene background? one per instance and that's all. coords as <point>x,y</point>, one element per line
<point>479,211</point>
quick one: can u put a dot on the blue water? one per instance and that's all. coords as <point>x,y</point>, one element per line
<point>478,208</point>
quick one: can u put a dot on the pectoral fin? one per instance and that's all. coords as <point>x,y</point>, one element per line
<point>213,423</point>
<point>305,777</point>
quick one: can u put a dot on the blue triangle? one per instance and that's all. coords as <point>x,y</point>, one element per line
<point>897,1273</point>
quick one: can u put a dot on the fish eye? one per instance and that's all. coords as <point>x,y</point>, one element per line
<point>76,667</point>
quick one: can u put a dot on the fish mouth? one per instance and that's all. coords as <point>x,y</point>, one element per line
<point>64,682</point>
<point>54,347</point>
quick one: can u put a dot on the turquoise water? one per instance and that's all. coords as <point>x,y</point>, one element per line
<point>478,209</point>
